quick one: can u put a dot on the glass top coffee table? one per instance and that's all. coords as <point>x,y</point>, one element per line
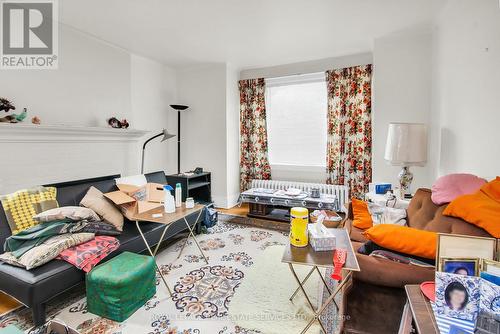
<point>308,257</point>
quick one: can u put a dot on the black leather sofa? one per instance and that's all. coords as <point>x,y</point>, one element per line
<point>36,287</point>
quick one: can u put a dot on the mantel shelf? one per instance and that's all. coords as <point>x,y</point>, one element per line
<point>30,133</point>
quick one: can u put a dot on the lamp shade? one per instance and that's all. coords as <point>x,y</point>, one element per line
<point>406,144</point>
<point>166,135</point>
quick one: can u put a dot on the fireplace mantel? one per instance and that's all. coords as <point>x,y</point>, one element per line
<point>30,133</point>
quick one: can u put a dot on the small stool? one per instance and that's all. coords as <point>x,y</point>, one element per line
<point>120,286</point>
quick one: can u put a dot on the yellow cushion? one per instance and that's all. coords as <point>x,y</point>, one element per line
<point>481,208</point>
<point>362,218</point>
<point>21,206</point>
<point>404,239</point>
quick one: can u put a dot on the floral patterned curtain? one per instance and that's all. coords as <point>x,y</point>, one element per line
<point>349,145</point>
<point>254,161</point>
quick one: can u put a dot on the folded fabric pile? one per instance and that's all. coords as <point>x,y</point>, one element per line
<point>41,230</point>
<point>87,255</point>
<point>46,251</point>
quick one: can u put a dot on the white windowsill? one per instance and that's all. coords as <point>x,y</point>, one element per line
<point>299,168</point>
<point>30,133</point>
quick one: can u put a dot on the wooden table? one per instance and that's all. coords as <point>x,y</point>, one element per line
<point>417,314</point>
<point>159,216</point>
<point>308,257</point>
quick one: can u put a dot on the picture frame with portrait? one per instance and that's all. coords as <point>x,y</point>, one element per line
<point>462,266</point>
<point>464,246</point>
<point>490,298</point>
<point>490,267</point>
<point>457,296</point>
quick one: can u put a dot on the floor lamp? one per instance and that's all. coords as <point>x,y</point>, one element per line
<point>165,135</point>
<point>179,108</point>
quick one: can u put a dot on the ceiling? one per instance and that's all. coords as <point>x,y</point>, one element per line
<point>245,33</point>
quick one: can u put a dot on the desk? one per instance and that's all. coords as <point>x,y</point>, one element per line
<point>167,219</point>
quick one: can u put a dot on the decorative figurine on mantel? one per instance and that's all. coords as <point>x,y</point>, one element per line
<point>6,105</point>
<point>36,120</point>
<point>117,124</point>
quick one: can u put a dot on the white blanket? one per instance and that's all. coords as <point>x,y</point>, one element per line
<point>387,215</point>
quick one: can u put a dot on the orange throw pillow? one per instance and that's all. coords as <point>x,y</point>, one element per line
<point>404,239</point>
<point>362,218</point>
<point>481,208</point>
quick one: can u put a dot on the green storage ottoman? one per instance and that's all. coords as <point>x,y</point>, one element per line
<point>120,286</point>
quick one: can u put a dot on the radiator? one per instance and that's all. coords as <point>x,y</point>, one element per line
<point>342,192</point>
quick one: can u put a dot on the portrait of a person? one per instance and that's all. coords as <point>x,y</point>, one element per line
<point>461,271</point>
<point>456,296</point>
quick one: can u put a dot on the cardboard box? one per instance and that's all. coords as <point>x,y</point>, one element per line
<point>133,200</point>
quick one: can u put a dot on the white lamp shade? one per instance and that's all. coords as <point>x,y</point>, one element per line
<point>406,144</point>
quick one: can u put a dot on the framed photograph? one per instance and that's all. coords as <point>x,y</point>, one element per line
<point>457,296</point>
<point>465,247</point>
<point>490,298</point>
<point>467,267</point>
<point>490,267</point>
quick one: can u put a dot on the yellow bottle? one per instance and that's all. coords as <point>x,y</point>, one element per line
<point>299,218</point>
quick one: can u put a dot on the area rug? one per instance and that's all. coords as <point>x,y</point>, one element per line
<point>198,308</point>
<point>262,302</point>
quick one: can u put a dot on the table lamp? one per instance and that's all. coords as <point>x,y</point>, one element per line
<point>165,135</point>
<point>406,146</point>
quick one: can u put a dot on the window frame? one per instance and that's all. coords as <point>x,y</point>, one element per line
<point>294,80</point>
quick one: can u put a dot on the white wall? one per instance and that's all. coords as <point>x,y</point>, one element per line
<point>203,126</point>
<point>401,93</point>
<point>232,136</point>
<point>95,81</point>
<point>91,84</point>
<point>153,89</point>
<point>467,86</point>
<point>319,65</point>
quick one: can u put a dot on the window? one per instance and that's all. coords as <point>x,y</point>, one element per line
<point>296,109</point>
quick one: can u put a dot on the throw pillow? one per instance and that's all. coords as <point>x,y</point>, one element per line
<point>404,239</point>
<point>362,218</point>
<point>450,186</point>
<point>87,255</point>
<point>46,251</point>
<point>67,212</point>
<point>95,200</point>
<point>21,206</point>
<point>481,208</point>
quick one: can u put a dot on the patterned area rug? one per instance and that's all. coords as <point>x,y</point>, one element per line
<point>201,293</point>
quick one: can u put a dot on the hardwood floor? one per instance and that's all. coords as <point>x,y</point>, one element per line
<point>7,303</point>
<point>237,211</point>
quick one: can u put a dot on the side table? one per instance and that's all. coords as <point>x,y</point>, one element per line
<point>417,314</point>
<point>158,216</point>
<point>308,257</point>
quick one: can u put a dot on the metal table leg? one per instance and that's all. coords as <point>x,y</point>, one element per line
<point>191,234</point>
<point>301,287</point>
<point>303,282</point>
<point>327,302</point>
<point>322,279</point>
<point>153,254</point>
